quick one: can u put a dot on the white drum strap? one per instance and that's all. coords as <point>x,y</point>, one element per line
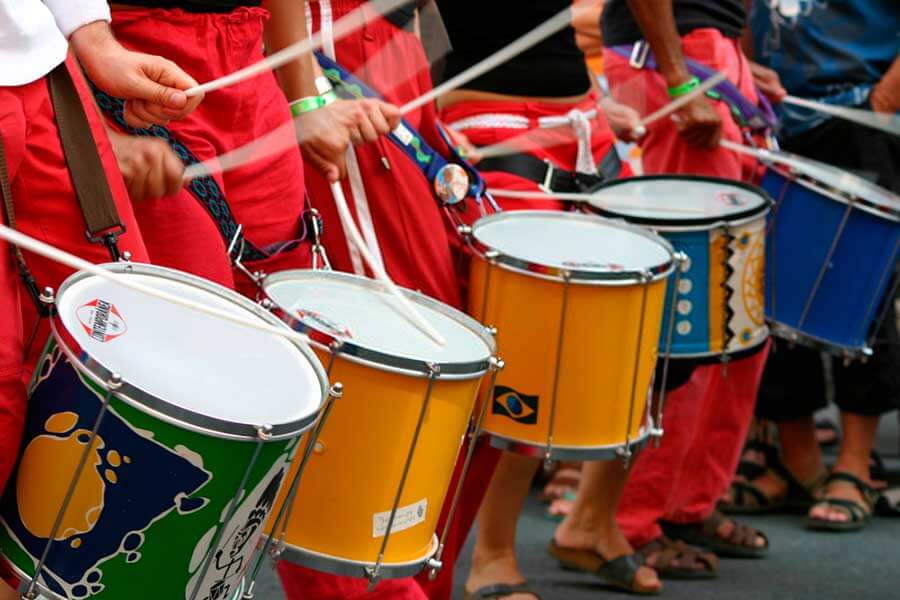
<point>354,175</point>
<point>579,121</point>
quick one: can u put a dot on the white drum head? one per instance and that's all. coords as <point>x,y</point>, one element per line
<point>572,242</point>
<point>356,310</point>
<point>668,199</point>
<point>189,359</point>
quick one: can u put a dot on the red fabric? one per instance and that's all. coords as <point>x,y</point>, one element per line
<point>707,419</point>
<point>267,196</point>
<point>663,150</point>
<point>407,220</point>
<point>46,208</point>
<point>562,154</point>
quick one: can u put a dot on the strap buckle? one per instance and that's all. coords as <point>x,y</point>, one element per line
<point>546,184</point>
<point>639,53</point>
<point>109,238</point>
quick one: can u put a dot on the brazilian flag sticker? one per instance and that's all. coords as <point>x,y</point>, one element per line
<point>518,407</point>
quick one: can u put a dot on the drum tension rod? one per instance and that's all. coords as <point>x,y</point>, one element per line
<point>656,430</point>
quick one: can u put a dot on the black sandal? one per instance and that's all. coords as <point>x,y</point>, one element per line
<point>620,572</point>
<point>496,591</point>
<point>705,534</point>
<point>748,499</point>
<point>693,563</point>
<point>858,513</point>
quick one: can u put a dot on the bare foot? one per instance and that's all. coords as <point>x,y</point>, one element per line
<point>489,571</point>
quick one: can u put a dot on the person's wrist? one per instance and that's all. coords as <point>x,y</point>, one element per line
<point>311,103</point>
<point>93,40</point>
<point>681,89</point>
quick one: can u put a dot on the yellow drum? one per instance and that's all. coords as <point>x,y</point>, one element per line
<point>577,302</point>
<point>368,500</point>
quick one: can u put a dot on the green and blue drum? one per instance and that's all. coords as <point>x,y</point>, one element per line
<point>156,441</point>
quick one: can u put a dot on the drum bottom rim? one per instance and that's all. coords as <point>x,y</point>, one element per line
<point>792,334</point>
<point>334,565</point>
<point>44,594</point>
<point>573,453</point>
<point>709,358</point>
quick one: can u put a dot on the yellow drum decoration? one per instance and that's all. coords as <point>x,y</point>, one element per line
<point>369,497</point>
<point>577,303</point>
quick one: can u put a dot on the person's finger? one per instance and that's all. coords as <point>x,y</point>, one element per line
<point>328,168</point>
<point>132,119</point>
<point>137,187</point>
<point>356,136</point>
<point>367,130</point>
<point>173,168</point>
<point>378,120</point>
<point>391,113</point>
<point>142,110</point>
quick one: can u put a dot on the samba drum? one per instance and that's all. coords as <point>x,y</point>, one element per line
<point>577,303</point>
<point>155,444</point>
<point>369,499</point>
<point>833,251</point>
<point>720,226</point>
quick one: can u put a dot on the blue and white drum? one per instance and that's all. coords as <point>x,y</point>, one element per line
<point>832,256</point>
<point>720,225</point>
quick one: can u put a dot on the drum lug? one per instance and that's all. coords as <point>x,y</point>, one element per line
<point>48,296</point>
<point>435,565</point>
<point>248,595</point>
<point>126,257</point>
<point>264,432</point>
<point>266,304</point>
<point>465,231</point>
<point>492,330</point>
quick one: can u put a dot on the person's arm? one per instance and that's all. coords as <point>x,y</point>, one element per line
<point>698,121</point>
<point>885,95</point>
<point>325,133</point>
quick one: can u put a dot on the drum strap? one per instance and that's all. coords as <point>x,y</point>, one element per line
<point>757,117</point>
<point>86,170</point>
<point>85,166</point>
<point>552,178</point>
<point>432,164</point>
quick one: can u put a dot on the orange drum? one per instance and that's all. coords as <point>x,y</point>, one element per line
<point>369,497</point>
<point>577,302</point>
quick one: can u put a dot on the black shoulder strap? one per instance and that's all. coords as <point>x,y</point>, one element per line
<point>86,168</point>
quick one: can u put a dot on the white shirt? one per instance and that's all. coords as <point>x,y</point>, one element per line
<point>33,34</point>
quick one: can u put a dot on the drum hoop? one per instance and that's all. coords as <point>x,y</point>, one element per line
<point>792,334</point>
<point>384,361</point>
<point>159,408</point>
<point>706,358</point>
<point>877,209</point>
<point>335,565</point>
<point>574,276</point>
<point>573,453</point>
<point>688,224</point>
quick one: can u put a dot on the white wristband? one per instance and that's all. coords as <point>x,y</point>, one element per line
<point>322,84</point>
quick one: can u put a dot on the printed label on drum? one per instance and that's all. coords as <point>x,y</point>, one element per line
<point>732,199</point>
<point>589,264</point>
<point>406,518</point>
<point>101,320</point>
<point>403,134</point>
<point>323,323</point>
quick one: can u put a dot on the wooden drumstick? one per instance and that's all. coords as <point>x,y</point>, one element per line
<point>587,199</point>
<point>61,256</point>
<point>878,120</point>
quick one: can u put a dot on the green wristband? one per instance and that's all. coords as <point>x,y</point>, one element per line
<point>684,88</point>
<point>310,103</point>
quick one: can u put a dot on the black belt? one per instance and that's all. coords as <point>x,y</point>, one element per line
<point>552,178</point>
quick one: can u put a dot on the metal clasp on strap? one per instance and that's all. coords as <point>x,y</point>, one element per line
<point>639,53</point>
<point>545,185</point>
<point>109,238</point>
<point>314,225</point>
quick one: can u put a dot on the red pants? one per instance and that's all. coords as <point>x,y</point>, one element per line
<point>663,150</point>
<point>410,229</point>
<point>267,196</point>
<point>707,419</point>
<point>46,208</point>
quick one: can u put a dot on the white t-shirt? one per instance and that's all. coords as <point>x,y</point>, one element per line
<point>33,34</point>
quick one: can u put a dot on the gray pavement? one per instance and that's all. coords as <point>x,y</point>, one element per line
<point>802,566</point>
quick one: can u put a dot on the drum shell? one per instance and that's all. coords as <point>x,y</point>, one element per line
<point>597,360</point>
<point>354,472</point>
<point>720,290</point>
<point>177,486</point>
<point>802,230</point>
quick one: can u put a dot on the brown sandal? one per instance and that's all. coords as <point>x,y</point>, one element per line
<point>619,572</point>
<point>705,534</point>
<point>676,560</point>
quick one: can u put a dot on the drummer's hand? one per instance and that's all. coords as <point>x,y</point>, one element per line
<point>326,133</point>
<point>464,146</point>
<point>152,86</point>
<point>149,166</point>
<point>768,82</point>
<point>699,123</point>
<point>622,118</point>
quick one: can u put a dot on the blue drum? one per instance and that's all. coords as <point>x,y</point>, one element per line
<point>720,226</point>
<point>832,255</point>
